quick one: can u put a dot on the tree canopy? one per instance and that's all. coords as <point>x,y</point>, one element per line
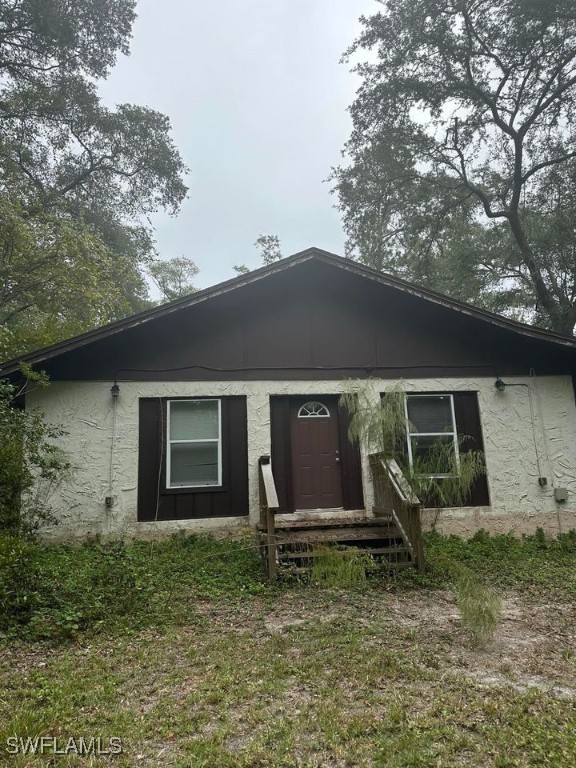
<point>77,179</point>
<point>174,277</point>
<point>463,151</point>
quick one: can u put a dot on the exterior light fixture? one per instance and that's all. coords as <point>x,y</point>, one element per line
<point>499,385</point>
<point>115,390</point>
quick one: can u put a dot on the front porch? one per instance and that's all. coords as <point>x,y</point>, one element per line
<point>390,533</point>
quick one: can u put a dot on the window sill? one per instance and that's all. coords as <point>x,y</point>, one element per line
<point>194,489</point>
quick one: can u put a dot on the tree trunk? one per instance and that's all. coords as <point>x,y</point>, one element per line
<point>561,320</point>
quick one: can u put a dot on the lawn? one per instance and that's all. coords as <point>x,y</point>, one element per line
<point>223,671</point>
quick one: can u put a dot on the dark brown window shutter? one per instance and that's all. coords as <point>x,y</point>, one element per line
<point>149,457</point>
<point>469,427</point>
<point>281,451</point>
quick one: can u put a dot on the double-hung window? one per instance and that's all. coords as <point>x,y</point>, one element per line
<point>431,432</point>
<point>194,443</point>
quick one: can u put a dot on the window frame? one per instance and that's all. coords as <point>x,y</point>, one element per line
<point>169,443</point>
<point>314,415</point>
<point>454,433</point>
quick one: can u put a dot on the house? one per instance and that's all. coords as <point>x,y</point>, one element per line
<point>169,411</point>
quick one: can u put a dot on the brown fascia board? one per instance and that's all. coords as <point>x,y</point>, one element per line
<point>316,254</point>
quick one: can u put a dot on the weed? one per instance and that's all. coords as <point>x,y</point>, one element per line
<point>55,591</point>
<point>339,567</point>
<point>480,607</point>
<point>538,564</point>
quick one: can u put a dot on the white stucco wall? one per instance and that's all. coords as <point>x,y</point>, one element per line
<point>520,432</point>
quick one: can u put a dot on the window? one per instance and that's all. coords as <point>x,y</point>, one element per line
<point>313,410</point>
<point>194,443</point>
<point>431,432</point>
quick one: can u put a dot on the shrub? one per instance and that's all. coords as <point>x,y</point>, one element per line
<point>19,588</point>
<point>31,464</point>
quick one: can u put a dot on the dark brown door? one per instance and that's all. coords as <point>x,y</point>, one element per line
<point>317,471</point>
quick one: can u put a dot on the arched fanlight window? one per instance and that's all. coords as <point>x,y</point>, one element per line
<point>313,410</point>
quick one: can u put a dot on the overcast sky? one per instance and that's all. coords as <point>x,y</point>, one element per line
<point>257,99</point>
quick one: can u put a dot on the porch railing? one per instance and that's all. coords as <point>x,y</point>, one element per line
<point>268,508</point>
<point>394,498</point>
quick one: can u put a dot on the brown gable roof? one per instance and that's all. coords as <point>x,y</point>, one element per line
<point>309,254</point>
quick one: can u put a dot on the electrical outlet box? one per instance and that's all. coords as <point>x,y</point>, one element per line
<point>109,501</point>
<point>561,494</point>
<point>542,482</point>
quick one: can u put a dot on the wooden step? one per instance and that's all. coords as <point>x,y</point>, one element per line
<point>391,566</point>
<point>309,554</point>
<point>335,535</point>
<point>357,522</point>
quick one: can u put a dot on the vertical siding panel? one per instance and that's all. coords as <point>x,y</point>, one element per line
<point>149,441</point>
<point>351,463</point>
<point>281,451</point>
<point>199,504</point>
<point>237,455</point>
<point>468,425</point>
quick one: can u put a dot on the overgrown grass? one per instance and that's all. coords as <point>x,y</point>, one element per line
<point>339,567</point>
<point>52,592</point>
<point>532,564</point>
<point>181,650</point>
<point>276,681</point>
<point>480,607</point>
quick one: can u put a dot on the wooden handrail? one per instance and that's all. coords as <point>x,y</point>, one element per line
<point>268,507</point>
<point>394,496</point>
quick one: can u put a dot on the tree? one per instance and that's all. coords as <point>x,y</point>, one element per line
<point>58,278</point>
<point>463,124</point>
<point>174,277</point>
<point>73,171</point>
<point>269,246</point>
<point>270,251</point>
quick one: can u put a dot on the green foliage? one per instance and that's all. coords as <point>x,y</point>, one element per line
<point>53,592</point>
<point>82,587</point>
<point>31,464</point>
<point>78,179</point>
<point>537,564</point>
<point>269,247</point>
<point>379,425</point>
<point>18,580</point>
<point>174,276</point>
<point>57,279</point>
<point>270,251</point>
<point>460,472</point>
<point>463,152</point>
<point>341,567</point>
<point>479,606</point>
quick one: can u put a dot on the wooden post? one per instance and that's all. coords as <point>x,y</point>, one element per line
<point>417,540</point>
<point>268,507</point>
<point>271,535</point>
<point>261,494</point>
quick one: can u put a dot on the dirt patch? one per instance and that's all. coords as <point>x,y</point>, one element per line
<point>534,645</point>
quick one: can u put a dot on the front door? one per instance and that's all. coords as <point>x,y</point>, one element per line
<point>316,467</point>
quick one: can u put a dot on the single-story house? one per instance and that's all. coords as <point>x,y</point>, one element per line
<point>168,412</point>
